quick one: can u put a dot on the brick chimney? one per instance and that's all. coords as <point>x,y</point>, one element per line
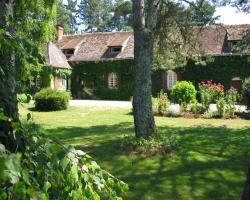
<point>59,31</point>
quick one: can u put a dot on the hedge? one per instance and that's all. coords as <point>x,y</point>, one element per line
<point>50,100</point>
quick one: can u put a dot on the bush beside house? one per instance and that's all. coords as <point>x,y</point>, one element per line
<point>183,93</point>
<point>50,100</point>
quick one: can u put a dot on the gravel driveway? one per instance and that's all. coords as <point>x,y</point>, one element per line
<point>92,103</point>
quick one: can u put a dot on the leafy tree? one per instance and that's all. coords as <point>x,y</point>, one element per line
<point>72,8</point>
<point>203,13</point>
<point>66,15</point>
<point>122,19</point>
<point>95,15</point>
<point>63,17</point>
<point>25,27</point>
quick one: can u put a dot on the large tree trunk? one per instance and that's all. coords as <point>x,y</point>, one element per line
<point>8,96</point>
<point>142,105</point>
<point>144,25</point>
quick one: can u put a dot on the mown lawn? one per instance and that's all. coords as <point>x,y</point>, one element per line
<point>210,165</point>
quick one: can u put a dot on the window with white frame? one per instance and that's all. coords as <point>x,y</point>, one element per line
<point>112,81</point>
<point>63,84</point>
<point>171,79</point>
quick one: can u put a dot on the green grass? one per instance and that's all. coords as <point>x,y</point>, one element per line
<point>211,164</point>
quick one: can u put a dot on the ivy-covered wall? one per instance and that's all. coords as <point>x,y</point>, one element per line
<point>89,79</point>
<point>48,75</point>
<point>217,68</point>
<point>93,75</point>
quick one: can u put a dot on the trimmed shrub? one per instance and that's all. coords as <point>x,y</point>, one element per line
<point>246,92</point>
<point>183,93</point>
<point>50,100</point>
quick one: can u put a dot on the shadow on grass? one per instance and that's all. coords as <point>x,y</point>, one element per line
<point>211,163</point>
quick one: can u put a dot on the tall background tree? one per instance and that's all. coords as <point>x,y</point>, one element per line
<point>202,12</point>
<point>122,15</point>
<point>105,15</point>
<point>66,15</point>
<point>95,15</point>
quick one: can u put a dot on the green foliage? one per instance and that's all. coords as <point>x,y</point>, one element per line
<point>210,92</point>
<point>160,144</point>
<point>94,76</point>
<point>183,93</point>
<point>66,15</point>
<point>221,106</point>
<point>34,25</point>
<point>44,169</point>
<point>163,102</point>
<point>197,108</point>
<point>122,19</point>
<point>208,115</point>
<point>105,15</point>
<point>95,14</point>
<point>61,73</point>
<point>231,98</point>
<point>24,98</point>
<point>202,13</point>
<point>221,69</point>
<point>49,100</point>
<point>246,91</point>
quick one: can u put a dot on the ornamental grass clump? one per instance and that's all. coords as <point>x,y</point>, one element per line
<point>51,100</point>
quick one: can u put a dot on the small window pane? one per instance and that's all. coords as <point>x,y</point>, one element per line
<point>171,78</point>
<point>112,81</point>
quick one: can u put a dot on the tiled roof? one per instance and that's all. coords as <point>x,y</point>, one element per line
<point>236,32</point>
<point>95,46</point>
<point>212,39</point>
<point>55,58</point>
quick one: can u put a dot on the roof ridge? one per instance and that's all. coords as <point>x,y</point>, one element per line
<point>98,33</point>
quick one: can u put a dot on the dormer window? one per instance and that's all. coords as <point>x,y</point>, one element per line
<point>68,52</point>
<point>231,45</point>
<point>115,50</point>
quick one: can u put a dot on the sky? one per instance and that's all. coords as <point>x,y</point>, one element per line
<point>230,15</point>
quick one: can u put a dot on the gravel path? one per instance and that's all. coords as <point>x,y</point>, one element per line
<point>91,103</point>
